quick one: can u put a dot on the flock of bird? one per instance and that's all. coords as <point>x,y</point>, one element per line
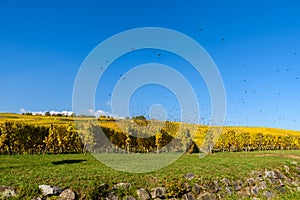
<point>242,100</point>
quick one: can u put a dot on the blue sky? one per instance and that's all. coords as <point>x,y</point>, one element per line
<point>255,44</point>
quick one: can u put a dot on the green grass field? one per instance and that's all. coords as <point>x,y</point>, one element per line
<point>81,172</point>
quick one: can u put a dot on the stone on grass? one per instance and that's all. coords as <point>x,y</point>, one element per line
<point>189,176</point>
<point>251,182</point>
<point>268,194</point>
<point>228,190</point>
<point>207,196</point>
<point>279,175</point>
<point>255,190</point>
<point>48,190</point>
<point>111,196</point>
<point>129,198</point>
<point>67,195</point>
<point>7,191</point>
<point>196,189</point>
<point>270,174</point>
<point>158,192</point>
<point>226,181</point>
<point>143,194</point>
<point>122,186</point>
<point>188,196</point>
<point>280,189</point>
<point>262,185</point>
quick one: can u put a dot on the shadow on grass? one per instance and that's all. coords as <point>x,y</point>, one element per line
<point>67,162</point>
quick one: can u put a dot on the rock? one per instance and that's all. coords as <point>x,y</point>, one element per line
<point>226,181</point>
<point>207,196</point>
<point>268,194</point>
<point>272,180</point>
<point>244,192</point>
<point>188,196</point>
<point>281,183</point>
<point>287,169</point>
<point>270,174</point>
<point>188,188</point>
<point>196,189</point>
<point>262,185</point>
<point>129,198</point>
<point>280,189</point>
<point>122,186</point>
<point>256,174</point>
<point>38,198</point>
<point>237,185</point>
<point>6,191</point>
<point>48,190</point>
<point>228,190</point>
<point>279,175</point>
<point>221,195</point>
<point>298,189</point>
<point>213,187</point>
<point>111,196</point>
<point>255,190</point>
<point>251,182</point>
<point>143,194</point>
<point>189,176</point>
<point>67,195</point>
<point>158,192</point>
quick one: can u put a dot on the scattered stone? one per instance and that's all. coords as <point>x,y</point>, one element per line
<point>111,196</point>
<point>251,182</point>
<point>189,176</point>
<point>237,185</point>
<point>262,185</point>
<point>255,190</point>
<point>280,189</point>
<point>188,188</point>
<point>213,187</point>
<point>268,194</point>
<point>37,198</point>
<point>287,169</point>
<point>188,196</point>
<point>158,192</point>
<point>244,192</point>
<point>279,175</point>
<point>228,190</point>
<point>226,181</point>
<point>207,196</point>
<point>272,180</point>
<point>221,195</point>
<point>122,186</point>
<point>196,189</point>
<point>256,174</point>
<point>143,194</point>
<point>270,174</point>
<point>67,195</point>
<point>48,190</point>
<point>6,191</point>
<point>129,198</point>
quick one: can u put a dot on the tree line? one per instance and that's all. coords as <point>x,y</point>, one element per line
<point>22,138</point>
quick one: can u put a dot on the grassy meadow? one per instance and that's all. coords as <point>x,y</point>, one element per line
<point>26,172</point>
<point>82,172</point>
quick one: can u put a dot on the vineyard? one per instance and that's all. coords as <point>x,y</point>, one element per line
<point>27,134</point>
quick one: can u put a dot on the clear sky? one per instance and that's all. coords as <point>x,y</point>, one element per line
<point>255,44</point>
